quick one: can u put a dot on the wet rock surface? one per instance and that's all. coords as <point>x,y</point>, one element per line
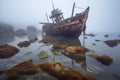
<point>33,40</point>
<point>43,54</point>
<point>23,68</point>
<point>20,33</point>
<point>112,43</point>
<point>24,44</point>
<point>77,57</point>
<point>91,34</point>
<point>104,59</point>
<point>63,73</point>
<point>76,49</point>
<point>7,51</point>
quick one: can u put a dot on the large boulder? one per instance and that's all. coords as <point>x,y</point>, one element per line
<point>7,51</point>
<point>58,70</point>
<point>6,33</point>
<point>6,28</point>
<point>104,59</point>
<point>23,68</point>
<point>76,49</point>
<point>31,32</point>
<point>20,33</point>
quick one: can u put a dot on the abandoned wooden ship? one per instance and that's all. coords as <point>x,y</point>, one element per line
<point>70,27</point>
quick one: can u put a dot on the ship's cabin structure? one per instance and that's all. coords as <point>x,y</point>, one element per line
<point>56,15</point>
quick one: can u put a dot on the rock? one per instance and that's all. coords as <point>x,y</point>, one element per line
<point>33,40</point>
<point>6,28</point>
<point>63,73</point>
<point>20,33</point>
<point>94,44</point>
<point>91,34</point>
<point>23,68</point>
<point>58,47</point>
<point>31,29</point>
<point>48,40</point>
<point>6,38</point>
<point>56,51</point>
<point>97,40</point>
<point>76,49</point>
<point>104,59</point>
<point>112,43</point>
<point>7,51</point>
<point>6,33</point>
<point>79,58</point>
<point>106,35</point>
<point>43,54</point>
<point>24,44</point>
<point>31,32</point>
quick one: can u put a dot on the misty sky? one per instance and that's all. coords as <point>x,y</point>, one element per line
<point>104,15</point>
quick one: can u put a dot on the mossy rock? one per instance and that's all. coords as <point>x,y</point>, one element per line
<point>76,49</point>
<point>43,54</point>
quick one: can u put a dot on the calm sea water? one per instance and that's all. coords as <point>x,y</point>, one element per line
<point>89,65</point>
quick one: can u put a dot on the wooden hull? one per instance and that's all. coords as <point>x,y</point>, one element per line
<point>70,27</point>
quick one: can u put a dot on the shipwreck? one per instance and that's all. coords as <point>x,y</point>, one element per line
<point>70,27</point>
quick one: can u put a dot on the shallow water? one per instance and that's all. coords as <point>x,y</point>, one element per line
<point>88,65</point>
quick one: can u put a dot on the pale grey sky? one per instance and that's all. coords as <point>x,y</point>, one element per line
<point>104,14</point>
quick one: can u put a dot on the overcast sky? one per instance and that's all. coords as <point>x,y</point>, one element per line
<point>104,15</point>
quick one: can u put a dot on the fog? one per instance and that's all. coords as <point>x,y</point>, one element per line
<point>103,15</point>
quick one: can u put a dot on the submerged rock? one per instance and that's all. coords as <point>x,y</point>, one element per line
<point>7,51</point>
<point>47,40</point>
<point>20,33</point>
<point>79,58</point>
<point>63,73</point>
<point>112,43</point>
<point>56,52</point>
<point>97,40</point>
<point>33,40</point>
<point>104,59</point>
<point>24,68</point>
<point>24,44</point>
<point>76,49</point>
<point>94,44</point>
<point>91,34</point>
<point>43,54</point>
<point>106,35</point>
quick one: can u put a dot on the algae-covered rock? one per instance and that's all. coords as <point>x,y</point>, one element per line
<point>46,40</point>
<point>63,73</point>
<point>58,47</point>
<point>7,51</point>
<point>76,49</point>
<point>23,68</point>
<point>79,58</point>
<point>43,54</point>
<point>24,44</point>
<point>104,59</point>
<point>112,43</point>
<point>56,52</point>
